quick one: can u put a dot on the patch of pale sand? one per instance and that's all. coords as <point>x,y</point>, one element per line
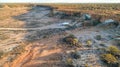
<point>7,16</point>
<point>49,52</point>
<point>11,23</point>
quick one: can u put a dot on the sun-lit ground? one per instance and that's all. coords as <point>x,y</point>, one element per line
<point>30,37</point>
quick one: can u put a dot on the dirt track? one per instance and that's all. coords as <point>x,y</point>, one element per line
<point>27,29</point>
<point>46,52</point>
<point>43,53</point>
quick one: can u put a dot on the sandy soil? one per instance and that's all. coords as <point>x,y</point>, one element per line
<point>44,53</point>
<point>49,52</point>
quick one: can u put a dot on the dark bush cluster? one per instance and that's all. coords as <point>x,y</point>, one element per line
<point>71,40</point>
<point>75,55</point>
<point>98,37</point>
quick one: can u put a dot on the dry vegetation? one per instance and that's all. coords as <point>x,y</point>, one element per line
<point>7,13</point>
<point>104,10</point>
<point>44,48</point>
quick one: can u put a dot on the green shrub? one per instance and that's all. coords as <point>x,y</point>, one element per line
<point>89,43</point>
<point>109,58</point>
<point>69,62</point>
<point>114,50</point>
